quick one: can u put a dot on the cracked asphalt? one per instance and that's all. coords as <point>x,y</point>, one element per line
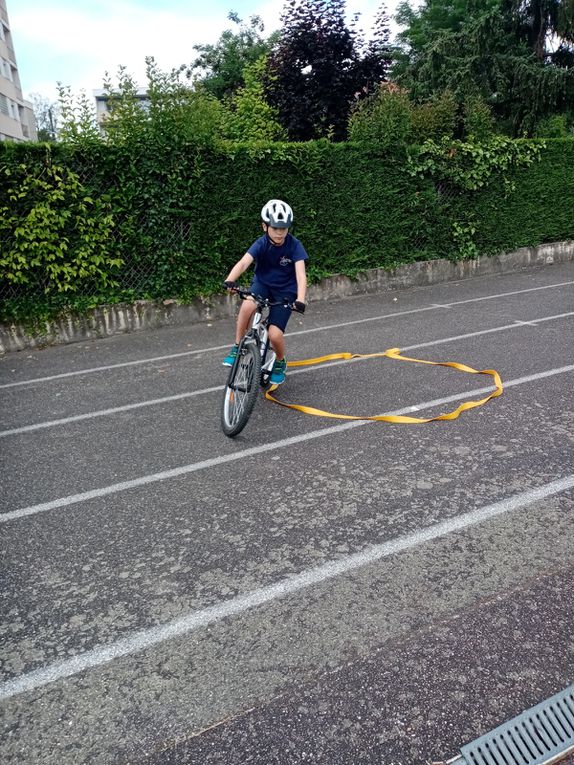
<point>312,591</point>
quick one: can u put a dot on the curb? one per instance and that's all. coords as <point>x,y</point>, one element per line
<point>120,318</point>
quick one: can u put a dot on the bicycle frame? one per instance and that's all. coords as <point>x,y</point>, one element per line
<point>259,332</point>
<point>251,368</point>
<point>260,328</point>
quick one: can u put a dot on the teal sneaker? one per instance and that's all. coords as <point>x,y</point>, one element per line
<point>278,372</point>
<point>230,358</point>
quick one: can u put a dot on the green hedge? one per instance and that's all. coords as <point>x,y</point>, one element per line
<point>183,215</point>
<point>539,209</point>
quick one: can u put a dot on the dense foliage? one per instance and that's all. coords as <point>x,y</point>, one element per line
<point>516,55</point>
<point>54,235</point>
<point>163,221</point>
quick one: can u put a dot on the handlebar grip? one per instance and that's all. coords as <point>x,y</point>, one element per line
<point>299,307</point>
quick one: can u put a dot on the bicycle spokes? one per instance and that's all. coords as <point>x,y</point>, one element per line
<point>241,386</point>
<point>241,389</point>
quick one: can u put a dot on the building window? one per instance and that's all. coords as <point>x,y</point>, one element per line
<point>6,69</point>
<point>4,105</point>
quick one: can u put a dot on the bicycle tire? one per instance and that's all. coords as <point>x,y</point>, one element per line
<point>241,389</point>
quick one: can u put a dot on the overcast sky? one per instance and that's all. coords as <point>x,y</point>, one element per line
<point>76,42</point>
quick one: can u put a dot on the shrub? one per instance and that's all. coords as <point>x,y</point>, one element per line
<point>435,119</point>
<point>385,118</point>
<point>54,236</point>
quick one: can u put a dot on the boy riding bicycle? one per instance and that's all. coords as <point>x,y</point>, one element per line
<point>279,275</point>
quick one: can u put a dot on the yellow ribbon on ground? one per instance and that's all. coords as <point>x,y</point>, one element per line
<point>392,353</point>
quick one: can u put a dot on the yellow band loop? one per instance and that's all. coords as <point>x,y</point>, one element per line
<point>392,353</point>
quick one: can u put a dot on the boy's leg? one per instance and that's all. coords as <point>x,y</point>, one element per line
<point>244,318</point>
<point>277,340</point>
<point>246,311</point>
<point>278,319</point>
<point>248,308</point>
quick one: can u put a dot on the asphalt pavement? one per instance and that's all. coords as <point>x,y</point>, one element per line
<point>315,590</point>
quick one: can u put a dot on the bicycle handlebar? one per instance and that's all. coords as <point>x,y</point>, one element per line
<point>261,301</point>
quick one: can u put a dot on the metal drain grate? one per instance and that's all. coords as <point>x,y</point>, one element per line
<point>542,734</point>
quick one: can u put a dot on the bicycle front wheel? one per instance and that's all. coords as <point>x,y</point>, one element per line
<point>242,389</point>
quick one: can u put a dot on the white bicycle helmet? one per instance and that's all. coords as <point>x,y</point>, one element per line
<point>277,214</point>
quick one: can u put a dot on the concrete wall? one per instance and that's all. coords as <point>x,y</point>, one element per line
<point>116,319</point>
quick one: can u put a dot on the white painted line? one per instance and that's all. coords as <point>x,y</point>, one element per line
<point>106,412</point>
<point>146,638</point>
<point>194,467</point>
<point>215,389</point>
<point>106,368</point>
<point>432,307</point>
<point>504,327</point>
<point>153,359</point>
<point>513,292</point>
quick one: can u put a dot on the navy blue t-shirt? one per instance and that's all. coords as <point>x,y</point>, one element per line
<point>275,266</point>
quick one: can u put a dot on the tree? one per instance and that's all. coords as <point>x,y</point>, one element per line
<point>251,118</point>
<point>319,66</point>
<point>375,57</point>
<point>219,68</point>
<point>171,112</point>
<point>515,55</point>
<point>538,21</point>
<point>47,115</point>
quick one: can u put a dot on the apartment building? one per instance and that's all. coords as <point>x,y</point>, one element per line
<point>17,121</point>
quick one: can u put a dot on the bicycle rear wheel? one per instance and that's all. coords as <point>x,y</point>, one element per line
<point>242,388</point>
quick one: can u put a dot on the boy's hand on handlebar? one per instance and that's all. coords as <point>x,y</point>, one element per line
<point>299,306</point>
<point>230,285</point>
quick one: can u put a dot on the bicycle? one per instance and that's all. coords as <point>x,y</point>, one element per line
<point>252,366</point>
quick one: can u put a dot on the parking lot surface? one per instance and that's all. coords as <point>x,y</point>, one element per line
<point>314,590</point>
